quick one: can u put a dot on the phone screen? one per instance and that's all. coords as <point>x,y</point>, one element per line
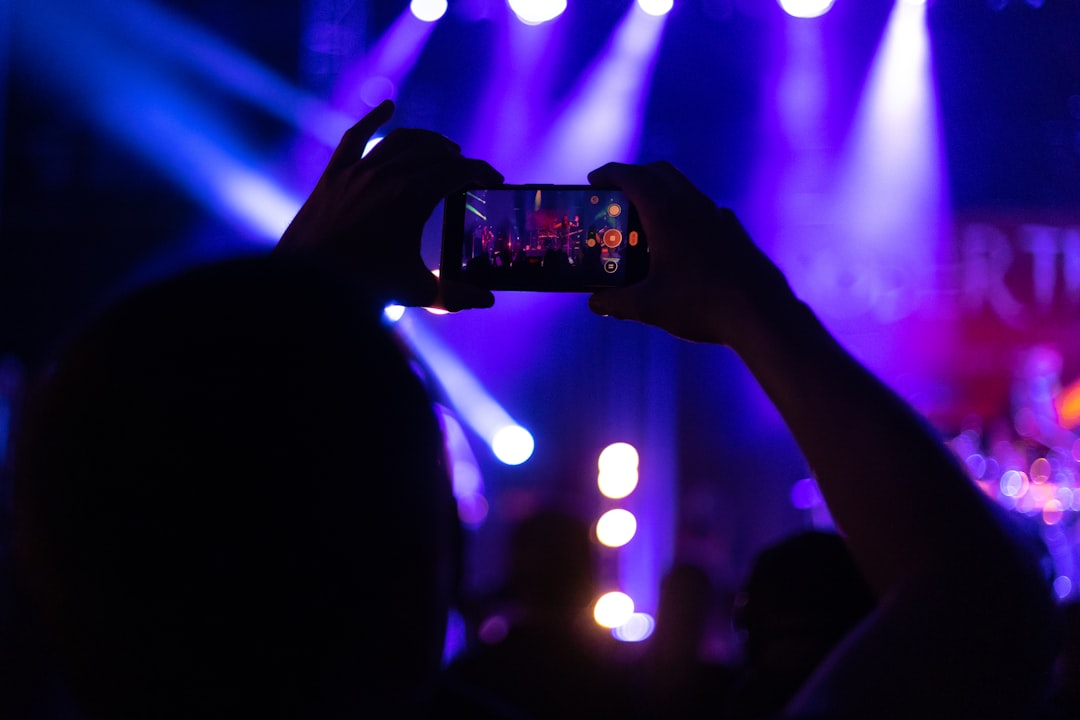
<point>543,237</point>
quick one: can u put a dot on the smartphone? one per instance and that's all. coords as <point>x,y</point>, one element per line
<point>564,238</point>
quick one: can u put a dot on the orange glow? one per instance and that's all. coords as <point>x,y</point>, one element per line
<point>1067,404</point>
<point>1052,512</point>
<point>1040,471</point>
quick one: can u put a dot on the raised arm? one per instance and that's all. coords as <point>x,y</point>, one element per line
<point>961,591</point>
<point>367,212</point>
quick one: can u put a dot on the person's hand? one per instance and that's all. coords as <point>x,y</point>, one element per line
<point>703,267</point>
<point>368,212</point>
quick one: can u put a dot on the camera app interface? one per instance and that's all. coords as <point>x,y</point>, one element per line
<point>555,237</point>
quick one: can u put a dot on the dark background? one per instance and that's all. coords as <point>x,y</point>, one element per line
<point>82,214</point>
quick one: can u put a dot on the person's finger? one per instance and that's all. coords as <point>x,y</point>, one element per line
<point>673,177</point>
<point>420,155</point>
<point>356,138</point>
<point>415,286</point>
<point>402,139</point>
<point>478,173</point>
<point>619,303</point>
<point>647,189</point>
<point>423,179</point>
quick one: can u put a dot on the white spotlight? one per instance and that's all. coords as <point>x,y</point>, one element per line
<point>616,527</point>
<point>613,609</point>
<point>513,445</point>
<point>428,10</point>
<point>536,12</point>
<point>639,627</point>
<point>656,7</point>
<point>806,8</point>
<point>618,457</point>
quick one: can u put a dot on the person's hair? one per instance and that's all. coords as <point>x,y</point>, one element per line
<point>232,499</point>
<point>810,576</point>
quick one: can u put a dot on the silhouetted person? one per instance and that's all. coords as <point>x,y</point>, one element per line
<point>1064,701</point>
<point>232,501</point>
<point>552,660</point>
<point>802,596</point>
<point>678,680</point>
<point>232,496</point>
<point>556,266</point>
<point>945,572</point>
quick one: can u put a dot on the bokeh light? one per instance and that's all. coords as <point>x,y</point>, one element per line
<point>428,10</point>
<point>616,527</point>
<point>1014,484</point>
<point>1040,470</point>
<point>617,485</point>
<point>513,445</point>
<point>536,12</point>
<point>618,470</point>
<point>1053,512</point>
<point>805,494</point>
<point>656,7</point>
<point>493,630</point>
<point>638,628</point>
<point>806,8</point>
<point>613,609</point>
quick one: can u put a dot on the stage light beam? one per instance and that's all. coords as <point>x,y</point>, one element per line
<point>600,121</point>
<point>511,443</point>
<point>165,37</point>
<point>890,196</point>
<point>155,115</point>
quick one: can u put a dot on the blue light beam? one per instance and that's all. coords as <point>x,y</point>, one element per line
<point>601,119</point>
<point>145,110</point>
<point>508,440</point>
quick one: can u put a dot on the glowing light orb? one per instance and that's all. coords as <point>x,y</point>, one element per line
<point>428,10</point>
<point>1040,471</point>
<point>536,12</point>
<point>617,485</point>
<point>376,89</point>
<point>618,465</point>
<point>806,8</point>
<point>618,456</point>
<point>639,627</point>
<point>616,527</point>
<point>1052,512</point>
<point>656,7</point>
<point>613,609</point>
<point>513,445</point>
<point>805,494</point>
<point>1014,484</point>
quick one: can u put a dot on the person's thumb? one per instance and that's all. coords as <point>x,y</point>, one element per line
<point>616,303</point>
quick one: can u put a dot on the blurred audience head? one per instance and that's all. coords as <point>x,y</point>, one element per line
<point>232,500</point>
<point>551,568</point>
<point>802,596</point>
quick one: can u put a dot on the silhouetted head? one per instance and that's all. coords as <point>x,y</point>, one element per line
<point>551,564</point>
<point>803,594</point>
<point>232,501</point>
<point>686,599</point>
